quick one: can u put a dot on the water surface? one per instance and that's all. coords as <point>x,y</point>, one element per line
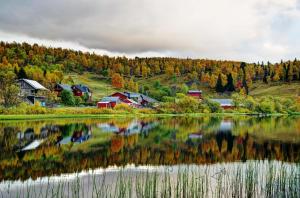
<point>33,151</point>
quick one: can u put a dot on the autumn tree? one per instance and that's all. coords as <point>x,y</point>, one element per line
<point>117,81</point>
<point>132,86</point>
<point>245,85</point>
<point>9,90</point>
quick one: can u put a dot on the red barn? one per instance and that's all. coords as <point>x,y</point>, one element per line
<point>120,95</point>
<point>195,93</point>
<point>225,103</point>
<point>108,102</point>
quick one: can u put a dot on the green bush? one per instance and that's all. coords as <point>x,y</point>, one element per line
<point>67,98</point>
<point>214,107</point>
<point>266,106</point>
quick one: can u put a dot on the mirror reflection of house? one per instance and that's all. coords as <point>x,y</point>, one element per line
<point>134,127</point>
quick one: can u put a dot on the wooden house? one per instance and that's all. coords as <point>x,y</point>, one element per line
<point>61,87</point>
<point>225,103</point>
<point>195,93</point>
<point>80,90</point>
<point>130,98</point>
<point>108,102</point>
<point>31,91</point>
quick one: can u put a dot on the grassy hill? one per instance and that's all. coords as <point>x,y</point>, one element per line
<point>275,89</point>
<point>102,87</point>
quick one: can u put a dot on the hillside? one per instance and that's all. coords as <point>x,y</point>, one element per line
<point>159,77</point>
<point>99,86</point>
<point>102,87</point>
<point>275,89</point>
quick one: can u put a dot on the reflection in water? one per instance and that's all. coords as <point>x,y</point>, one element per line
<point>43,148</point>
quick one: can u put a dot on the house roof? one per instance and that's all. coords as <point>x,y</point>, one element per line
<point>82,88</point>
<point>194,91</point>
<point>137,95</point>
<point>132,94</point>
<point>148,99</point>
<point>34,84</point>
<point>65,87</point>
<point>224,102</point>
<point>110,99</point>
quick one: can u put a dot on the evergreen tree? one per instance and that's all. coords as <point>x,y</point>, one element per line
<point>22,73</point>
<point>219,87</point>
<point>230,85</point>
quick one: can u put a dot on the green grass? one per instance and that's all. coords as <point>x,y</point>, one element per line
<point>257,89</point>
<point>275,89</point>
<point>102,87</point>
<point>99,86</point>
<point>120,115</point>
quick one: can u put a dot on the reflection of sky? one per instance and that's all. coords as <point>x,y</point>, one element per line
<point>225,126</point>
<point>132,128</point>
<point>211,172</point>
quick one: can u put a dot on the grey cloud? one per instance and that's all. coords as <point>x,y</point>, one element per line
<point>231,29</point>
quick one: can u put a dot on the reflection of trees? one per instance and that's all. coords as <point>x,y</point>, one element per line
<point>122,150</point>
<point>7,139</point>
<point>167,144</point>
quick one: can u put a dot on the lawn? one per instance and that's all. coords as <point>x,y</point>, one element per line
<point>100,87</point>
<point>275,89</point>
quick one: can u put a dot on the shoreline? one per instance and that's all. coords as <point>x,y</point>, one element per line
<point>4,117</point>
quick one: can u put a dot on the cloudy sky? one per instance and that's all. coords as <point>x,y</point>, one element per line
<point>249,30</point>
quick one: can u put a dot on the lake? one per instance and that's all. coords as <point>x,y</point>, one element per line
<point>221,156</point>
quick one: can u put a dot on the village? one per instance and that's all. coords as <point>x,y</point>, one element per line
<point>33,93</point>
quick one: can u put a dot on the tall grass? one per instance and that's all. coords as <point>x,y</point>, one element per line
<point>252,179</point>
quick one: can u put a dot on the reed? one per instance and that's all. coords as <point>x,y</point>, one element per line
<point>253,179</point>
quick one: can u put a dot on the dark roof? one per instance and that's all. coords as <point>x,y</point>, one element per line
<point>137,95</point>
<point>82,88</point>
<point>148,99</point>
<point>65,87</point>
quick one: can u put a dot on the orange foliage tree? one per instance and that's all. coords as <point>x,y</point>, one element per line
<point>117,81</point>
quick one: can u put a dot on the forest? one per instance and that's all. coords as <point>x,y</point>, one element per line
<point>48,65</point>
<point>51,65</point>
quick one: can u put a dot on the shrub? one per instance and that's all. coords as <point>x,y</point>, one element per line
<point>249,103</point>
<point>123,107</point>
<point>214,107</point>
<point>67,98</point>
<point>265,106</point>
<point>78,101</point>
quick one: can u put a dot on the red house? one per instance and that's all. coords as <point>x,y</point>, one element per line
<point>120,95</point>
<point>80,90</point>
<point>108,102</point>
<point>61,87</point>
<point>195,93</point>
<point>225,103</point>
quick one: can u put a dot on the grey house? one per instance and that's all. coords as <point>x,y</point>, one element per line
<point>31,90</point>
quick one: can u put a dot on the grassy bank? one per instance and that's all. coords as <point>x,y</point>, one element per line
<point>122,115</point>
